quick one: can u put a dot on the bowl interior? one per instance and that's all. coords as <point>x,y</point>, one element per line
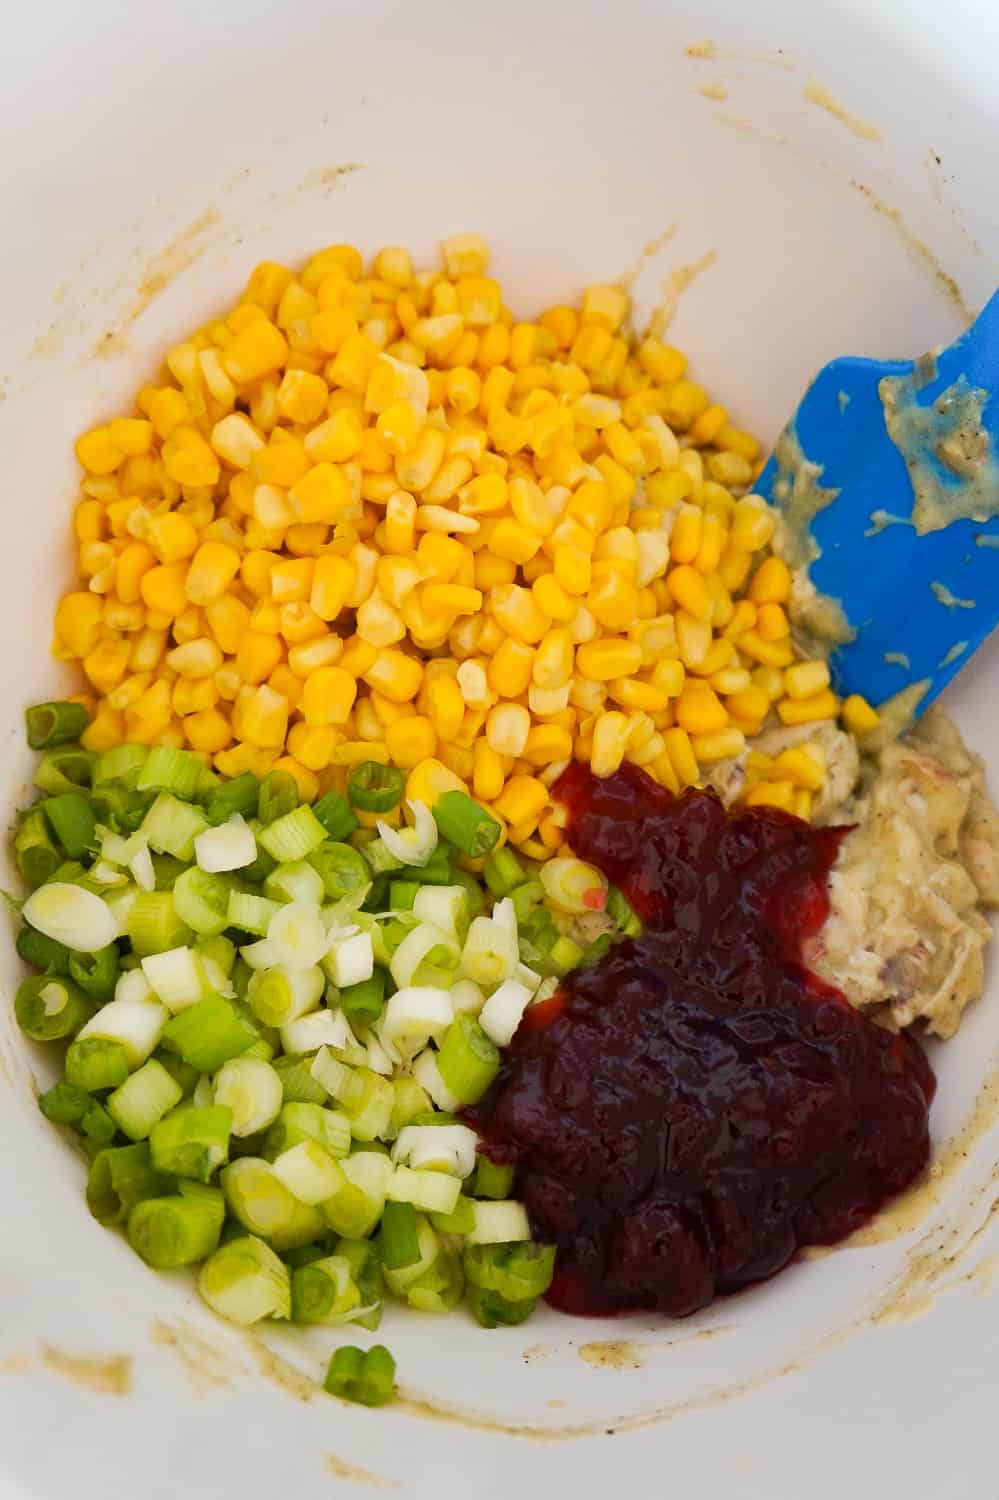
<point>150,167</point>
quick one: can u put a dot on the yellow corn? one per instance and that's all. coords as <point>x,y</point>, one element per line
<point>396,450</point>
<point>823,705</point>
<point>858,715</point>
<point>772,794</point>
<point>806,678</point>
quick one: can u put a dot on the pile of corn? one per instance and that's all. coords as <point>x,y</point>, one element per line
<point>370,516</point>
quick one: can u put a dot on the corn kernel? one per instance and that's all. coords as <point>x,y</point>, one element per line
<point>699,710</point>
<point>213,568</point>
<point>802,767</point>
<point>858,715</point>
<point>778,794</point>
<point>823,705</point>
<point>328,696</point>
<point>771,582</point>
<point>523,799</point>
<point>806,678</point>
<point>333,582</point>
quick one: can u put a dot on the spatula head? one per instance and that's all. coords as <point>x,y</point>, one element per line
<point>920,589</point>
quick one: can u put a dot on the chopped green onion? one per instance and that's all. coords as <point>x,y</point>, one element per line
<point>297,1081</point>
<point>238,796</point>
<point>368,1379</point>
<point>278,796</point>
<point>192,1141</point>
<point>417,1012</point>
<point>491,1180</point>
<point>49,724</point>
<point>459,1221</point>
<point>467,996</point>
<point>175,977</point>
<point>518,1271</point>
<point>427,1190</point>
<point>412,846</point>
<point>411,1100</point>
<point>309,1172</point>
<point>171,826</point>
<point>145,1097</point>
<point>277,996</point>
<point>168,1232</point>
<point>258,1199</point>
<point>446,906</point>
<point>178,1069</point>
<point>297,934</point>
<point>94,1063</point>
<point>64,1103</point>
<point>121,763</point>
<point>622,913</point>
<point>48,1008</point>
<point>499,1223</point>
<point>295,881</point>
<point>136,1023</point>
<point>121,807</point>
<point>324,1292</point>
<point>526,898</point>
<point>397,1238</point>
<point>358,1206</point>
<point>437,1289</point>
<point>169,770</point>
<point>426,956</point>
<point>335,814</point>
<point>493,1310</point>
<point>44,952</point>
<point>201,901</point>
<point>98,1126</point>
<point>565,955</point>
<point>153,924</point>
<point>302,1255</point>
<point>251,913</point>
<point>251,1089</point>
<point>363,1003</point>
<point>35,855</point>
<point>209,1033</point>
<point>119,1179</point>
<point>64,770</point>
<point>362,1259</point>
<point>379,857</point>
<point>503,872</point>
<point>503,1011</point>
<point>369,1106</point>
<point>298,1123</point>
<point>341,869</point>
<point>374,787</point>
<point>351,960</point>
<point>220,950</point>
<point>292,836</point>
<point>245,1281</point>
<point>465,824</point>
<point>468,1059</point>
<point>402,894</point>
<point>232,846</point>
<point>438,869</point>
<point>398,1278</point>
<point>263,864</point>
<point>427,1073</point>
<point>490,953</point>
<point>96,973</point>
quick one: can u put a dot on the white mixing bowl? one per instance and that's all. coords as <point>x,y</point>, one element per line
<point>151,156</point>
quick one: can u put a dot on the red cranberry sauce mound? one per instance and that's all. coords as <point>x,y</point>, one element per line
<point>693,1108</point>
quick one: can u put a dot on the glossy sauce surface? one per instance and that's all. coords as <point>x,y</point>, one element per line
<point>689,1111</point>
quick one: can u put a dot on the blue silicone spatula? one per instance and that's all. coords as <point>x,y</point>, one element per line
<point>908,542</point>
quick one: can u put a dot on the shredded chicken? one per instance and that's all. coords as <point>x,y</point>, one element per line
<point>906,932</point>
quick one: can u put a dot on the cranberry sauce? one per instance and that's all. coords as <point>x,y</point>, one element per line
<point>690,1110</point>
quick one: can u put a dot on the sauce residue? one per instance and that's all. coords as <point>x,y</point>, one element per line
<point>206,1366</point>
<point>612,1354</point>
<point>689,1111</point>
<point>818,618</point>
<point>949,600</point>
<point>946,448</point>
<point>344,1470</point>
<point>817,93</point>
<point>107,1375</point>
